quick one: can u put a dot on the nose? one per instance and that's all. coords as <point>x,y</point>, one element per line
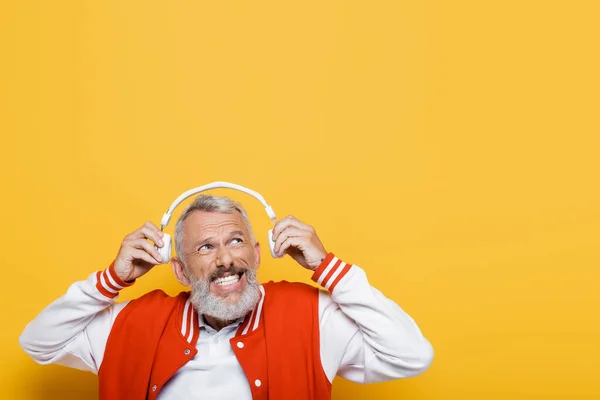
<point>224,259</point>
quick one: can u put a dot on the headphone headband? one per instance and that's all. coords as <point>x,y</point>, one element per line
<point>215,185</point>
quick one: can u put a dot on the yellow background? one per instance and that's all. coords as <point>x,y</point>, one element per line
<point>450,148</point>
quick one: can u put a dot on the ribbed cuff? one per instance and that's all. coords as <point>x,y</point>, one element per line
<point>109,283</point>
<point>330,272</point>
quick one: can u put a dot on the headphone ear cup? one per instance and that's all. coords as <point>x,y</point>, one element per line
<point>272,243</point>
<point>165,251</point>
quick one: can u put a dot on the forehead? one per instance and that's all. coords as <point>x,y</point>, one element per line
<point>202,223</point>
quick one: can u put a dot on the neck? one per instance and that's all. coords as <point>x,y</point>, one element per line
<point>215,323</point>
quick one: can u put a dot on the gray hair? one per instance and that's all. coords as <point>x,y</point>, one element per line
<point>209,203</point>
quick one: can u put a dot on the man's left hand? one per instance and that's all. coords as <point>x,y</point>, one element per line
<point>300,241</point>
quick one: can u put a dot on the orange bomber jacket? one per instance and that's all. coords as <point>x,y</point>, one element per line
<point>277,345</point>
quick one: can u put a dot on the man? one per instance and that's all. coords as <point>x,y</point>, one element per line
<point>230,337</point>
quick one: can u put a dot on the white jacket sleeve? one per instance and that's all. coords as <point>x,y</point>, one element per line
<point>73,330</point>
<point>365,337</point>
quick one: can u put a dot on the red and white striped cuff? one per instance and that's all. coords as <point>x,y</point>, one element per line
<point>108,282</point>
<point>330,272</point>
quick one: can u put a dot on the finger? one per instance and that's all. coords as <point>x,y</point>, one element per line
<point>293,241</point>
<point>143,244</point>
<point>153,228</point>
<point>288,221</point>
<point>139,233</point>
<point>153,235</point>
<point>142,255</point>
<point>290,231</point>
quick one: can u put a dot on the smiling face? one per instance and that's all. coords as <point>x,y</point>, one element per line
<point>220,259</point>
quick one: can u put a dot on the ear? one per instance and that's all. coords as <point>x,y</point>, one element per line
<point>179,270</point>
<point>257,252</point>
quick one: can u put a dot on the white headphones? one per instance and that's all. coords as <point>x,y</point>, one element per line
<point>165,251</point>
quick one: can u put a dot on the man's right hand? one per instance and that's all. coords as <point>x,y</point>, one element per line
<point>137,255</point>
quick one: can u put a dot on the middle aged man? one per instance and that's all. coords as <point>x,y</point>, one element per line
<point>230,337</point>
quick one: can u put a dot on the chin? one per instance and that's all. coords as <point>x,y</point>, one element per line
<point>231,298</point>
<point>227,299</point>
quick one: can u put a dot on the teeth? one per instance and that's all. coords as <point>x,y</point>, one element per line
<point>228,280</point>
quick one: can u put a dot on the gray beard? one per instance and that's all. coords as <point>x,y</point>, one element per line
<point>214,306</point>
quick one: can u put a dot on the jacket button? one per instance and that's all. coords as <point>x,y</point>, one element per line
<point>154,388</point>
<point>257,383</point>
<point>187,351</point>
<point>240,345</point>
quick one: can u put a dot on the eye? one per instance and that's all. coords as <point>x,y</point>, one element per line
<point>239,240</point>
<point>205,247</point>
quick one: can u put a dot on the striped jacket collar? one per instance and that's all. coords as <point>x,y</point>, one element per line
<point>190,328</point>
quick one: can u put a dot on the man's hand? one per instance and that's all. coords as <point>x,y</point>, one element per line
<point>137,255</point>
<point>300,241</point>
